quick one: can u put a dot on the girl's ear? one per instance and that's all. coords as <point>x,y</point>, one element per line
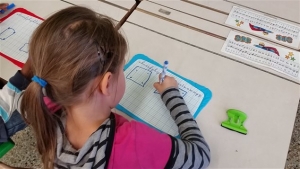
<point>106,83</point>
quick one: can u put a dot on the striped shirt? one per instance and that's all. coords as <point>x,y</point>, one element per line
<point>94,154</point>
<point>190,151</point>
<point>120,141</point>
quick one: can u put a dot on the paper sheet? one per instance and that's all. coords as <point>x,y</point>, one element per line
<point>142,102</point>
<point>265,26</point>
<point>15,34</point>
<point>280,59</point>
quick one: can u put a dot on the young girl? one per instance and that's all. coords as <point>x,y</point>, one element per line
<point>77,60</point>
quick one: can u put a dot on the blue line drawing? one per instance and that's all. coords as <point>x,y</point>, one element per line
<point>182,92</point>
<point>7,33</point>
<point>24,48</point>
<point>139,76</point>
<point>30,18</point>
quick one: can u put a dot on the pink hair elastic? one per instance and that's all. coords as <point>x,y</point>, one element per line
<point>53,107</point>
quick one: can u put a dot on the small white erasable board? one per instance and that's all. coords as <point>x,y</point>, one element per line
<point>143,103</point>
<point>15,34</point>
<point>264,26</point>
<point>280,59</point>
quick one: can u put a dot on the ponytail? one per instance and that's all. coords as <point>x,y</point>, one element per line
<point>36,113</point>
<point>69,50</point>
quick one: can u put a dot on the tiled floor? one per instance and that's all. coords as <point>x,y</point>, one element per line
<point>293,159</point>
<point>24,154</point>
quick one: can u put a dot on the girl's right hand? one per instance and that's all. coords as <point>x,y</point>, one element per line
<point>169,82</point>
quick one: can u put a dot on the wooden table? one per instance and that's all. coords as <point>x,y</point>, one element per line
<point>234,83</point>
<point>269,101</point>
<point>288,10</point>
<point>102,7</point>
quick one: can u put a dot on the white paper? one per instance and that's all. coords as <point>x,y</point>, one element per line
<point>15,34</point>
<point>264,26</point>
<point>280,59</point>
<point>143,100</point>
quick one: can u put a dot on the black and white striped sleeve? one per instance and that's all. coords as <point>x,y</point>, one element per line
<point>191,150</point>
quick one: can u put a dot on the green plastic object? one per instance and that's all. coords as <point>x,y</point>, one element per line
<point>235,121</point>
<point>5,147</point>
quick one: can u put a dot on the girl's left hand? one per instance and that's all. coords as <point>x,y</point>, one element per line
<point>3,6</point>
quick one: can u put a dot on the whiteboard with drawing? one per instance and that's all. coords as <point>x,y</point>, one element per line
<point>16,30</point>
<point>143,103</point>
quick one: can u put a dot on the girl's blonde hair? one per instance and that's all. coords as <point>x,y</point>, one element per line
<point>68,50</point>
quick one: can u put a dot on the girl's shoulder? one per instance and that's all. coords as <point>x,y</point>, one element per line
<point>132,127</point>
<point>137,145</point>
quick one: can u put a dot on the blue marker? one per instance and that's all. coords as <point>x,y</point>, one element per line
<point>11,6</point>
<point>164,72</point>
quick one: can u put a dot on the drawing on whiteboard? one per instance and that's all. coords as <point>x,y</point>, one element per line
<point>142,103</point>
<point>139,76</point>
<point>24,48</point>
<point>30,18</point>
<point>7,33</point>
<point>182,92</point>
<point>15,33</point>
